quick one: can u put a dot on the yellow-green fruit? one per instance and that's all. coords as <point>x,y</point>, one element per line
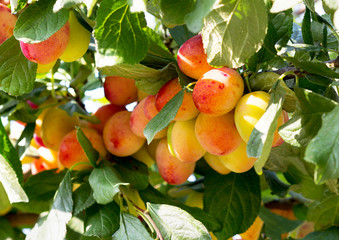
<point>44,68</point>
<point>5,205</point>
<point>216,163</point>
<point>78,41</point>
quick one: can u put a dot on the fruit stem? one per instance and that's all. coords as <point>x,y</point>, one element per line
<point>79,163</point>
<point>52,82</point>
<point>188,87</point>
<point>290,73</point>
<point>247,82</point>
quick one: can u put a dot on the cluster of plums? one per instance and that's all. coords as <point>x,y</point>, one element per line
<point>64,44</point>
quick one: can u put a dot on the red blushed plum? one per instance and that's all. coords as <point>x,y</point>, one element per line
<point>103,114</point>
<point>187,109</point>
<point>218,91</point>
<point>217,134</point>
<point>71,152</point>
<point>192,59</point>
<point>7,23</point>
<point>47,51</point>
<point>149,107</point>
<point>120,90</point>
<point>171,169</point>
<point>118,136</point>
<point>139,121</point>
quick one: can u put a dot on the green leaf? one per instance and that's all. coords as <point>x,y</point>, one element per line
<point>54,226</point>
<point>276,185</point>
<point>175,223</point>
<point>17,73</point>
<point>148,79</point>
<point>170,14</point>
<point>240,194</point>
<point>316,68</point>
<point>105,182</point>
<point>119,35</point>
<point>133,172</point>
<point>40,189</point>
<point>157,46</point>
<point>306,122</point>
<point>180,34</point>
<point>282,5</point>
<point>11,175</point>
<point>6,230</point>
<point>195,19</point>
<point>83,198</point>
<point>25,139</point>
<point>330,6</point>
<point>324,213</point>
<point>275,225</point>
<point>130,228</point>
<point>234,31</point>
<point>86,145</point>
<point>154,196</point>
<point>323,149</point>
<point>283,24</point>
<point>303,183</point>
<point>74,109</point>
<point>102,220</point>
<point>306,27</point>
<point>164,117</point>
<point>265,81</point>
<point>328,234</point>
<point>38,22</point>
<point>261,138</point>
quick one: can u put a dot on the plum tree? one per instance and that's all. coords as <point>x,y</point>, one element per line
<point>120,90</point>
<point>79,40</point>
<point>8,21</point>
<point>192,59</point>
<point>218,91</point>
<point>47,51</point>
<point>71,152</point>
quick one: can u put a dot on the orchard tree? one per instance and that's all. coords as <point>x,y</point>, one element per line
<point>212,119</point>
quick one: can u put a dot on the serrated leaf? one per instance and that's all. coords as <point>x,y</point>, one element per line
<point>86,145</point>
<point>164,117</point>
<point>124,41</point>
<point>148,79</point>
<point>157,46</point>
<point>11,175</point>
<point>54,226</point>
<point>25,139</point>
<point>105,182</point>
<point>130,229</point>
<point>265,82</point>
<point>328,234</point>
<point>240,194</point>
<point>324,213</point>
<point>234,31</point>
<point>175,223</point>
<point>102,220</point>
<point>323,149</point>
<point>38,22</point>
<point>195,19</point>
<point>17,73</point>
<point>261,138</point>
<point>275,225</point>
<point>170,15</point>
<point>282,5</point>
<point>306,27</point>
<point>316,68</point>
<point>83,198</point>
<point>306,122</point>
<point>283,24</point>
<point>133,172</point>
<point>74,109</point>
<point>152,195</point>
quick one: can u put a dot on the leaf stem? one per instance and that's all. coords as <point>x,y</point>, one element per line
<point>52,82</point>
<point>88,21</point>
<point>247,81</point>
<point>80,163</point>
